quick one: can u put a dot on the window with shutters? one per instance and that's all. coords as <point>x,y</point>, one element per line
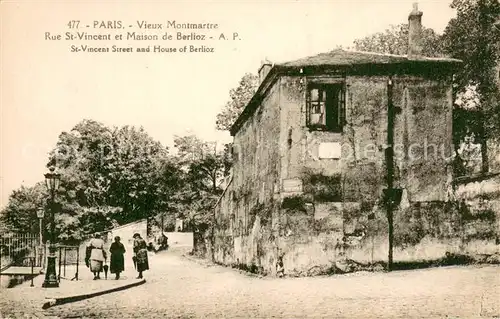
<point>326,107</point>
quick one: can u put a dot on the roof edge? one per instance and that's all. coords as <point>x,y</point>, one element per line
<point>281,69</point>
<point>416,58</point>
<point>266,84</point>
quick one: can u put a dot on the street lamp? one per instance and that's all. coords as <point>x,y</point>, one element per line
<point>40,214</point>
<point>52,183</point>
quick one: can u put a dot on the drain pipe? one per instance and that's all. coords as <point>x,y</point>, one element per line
<point>389,157</point>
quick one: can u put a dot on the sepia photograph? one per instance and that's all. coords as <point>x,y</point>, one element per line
<point>250,159</point>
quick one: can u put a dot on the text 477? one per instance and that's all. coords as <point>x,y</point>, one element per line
<point>73,24</point>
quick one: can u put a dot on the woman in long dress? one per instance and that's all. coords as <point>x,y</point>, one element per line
<point>97,255</point>
<point>117,262</point>
<point>141,254</point>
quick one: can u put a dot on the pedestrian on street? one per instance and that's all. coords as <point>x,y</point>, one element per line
<point>97,255</point>
<point>117,262</point>
<point>141,254</point>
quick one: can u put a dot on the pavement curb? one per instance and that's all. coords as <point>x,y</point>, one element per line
<point>63,300</point>
<point>208,263</point>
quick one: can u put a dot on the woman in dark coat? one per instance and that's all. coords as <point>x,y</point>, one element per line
<point>141,254</point>
<point>117,264</point>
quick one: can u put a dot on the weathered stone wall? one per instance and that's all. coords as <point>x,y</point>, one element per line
<point>244,216</point>
<point>480,207</point>
<point>348,226</point>
<point>289,204</point>
<point>361,144</point>
<point>201,243</point>
<point>357,228</point>
<point>430,230</point>
<point>423,137</point>
<point>468,224</point>
<point>322,239</point>
<point>494,155</point>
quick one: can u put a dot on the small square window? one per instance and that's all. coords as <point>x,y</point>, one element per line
<point>326,107</point>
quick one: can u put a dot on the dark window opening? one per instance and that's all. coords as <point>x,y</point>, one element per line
<point>326,107</point>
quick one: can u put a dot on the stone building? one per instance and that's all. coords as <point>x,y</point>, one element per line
<point>312,162</point>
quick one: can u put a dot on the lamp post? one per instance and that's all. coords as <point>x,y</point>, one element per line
<point>40,214</point>
<point>52,182</point>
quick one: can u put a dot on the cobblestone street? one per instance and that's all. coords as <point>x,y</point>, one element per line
<point>180,288</point>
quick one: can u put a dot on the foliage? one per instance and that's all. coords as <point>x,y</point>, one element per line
<point>107,173</point>
<point>200,158</point>
<point>323,188</point>
<point>134,174</point>
<point>470,156</point>
<point>22,207</point>
<point>468,98</point>
<point>191,148</point>
<point>474,37</point>
<point>203,165</point>
<point>227,159</point>
<point>113,176</point>
<point>394,40</point>
<point>239,98</point>
<point>294,203</point>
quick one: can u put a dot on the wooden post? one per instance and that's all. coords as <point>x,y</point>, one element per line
<point>77,261</point>
<point>32,270</point>
<point>59,275</point>
<point>64,271</point>
<point>390,168</point>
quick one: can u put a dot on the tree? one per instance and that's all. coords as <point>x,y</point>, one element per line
<point>109,176</point>
<point>239,98</point>
<point>201,158</point>
<point>191,148</point>
<point>227,159</point>
<point>474,37</point>
<point>20,214</point>
<point>136,162</point>
<point>394,40</point>
<point>169,180</point>
<point>81,156</point>
<point>203,165</point>
<point>113,176</point>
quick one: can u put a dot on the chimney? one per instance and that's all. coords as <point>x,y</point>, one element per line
<point>264,69</point>
<point>415,32</point>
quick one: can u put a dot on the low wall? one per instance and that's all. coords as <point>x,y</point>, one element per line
<point>180,239</point>
<point>428,231</point>
<point>10,281</point>
<point>344,237</point>
<point>125,232</point>
<point>356,238</point>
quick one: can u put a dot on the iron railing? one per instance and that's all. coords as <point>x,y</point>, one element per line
<point>15,248</point>
<point>68,256</point>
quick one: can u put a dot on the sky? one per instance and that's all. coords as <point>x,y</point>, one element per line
<point>45,89</point>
